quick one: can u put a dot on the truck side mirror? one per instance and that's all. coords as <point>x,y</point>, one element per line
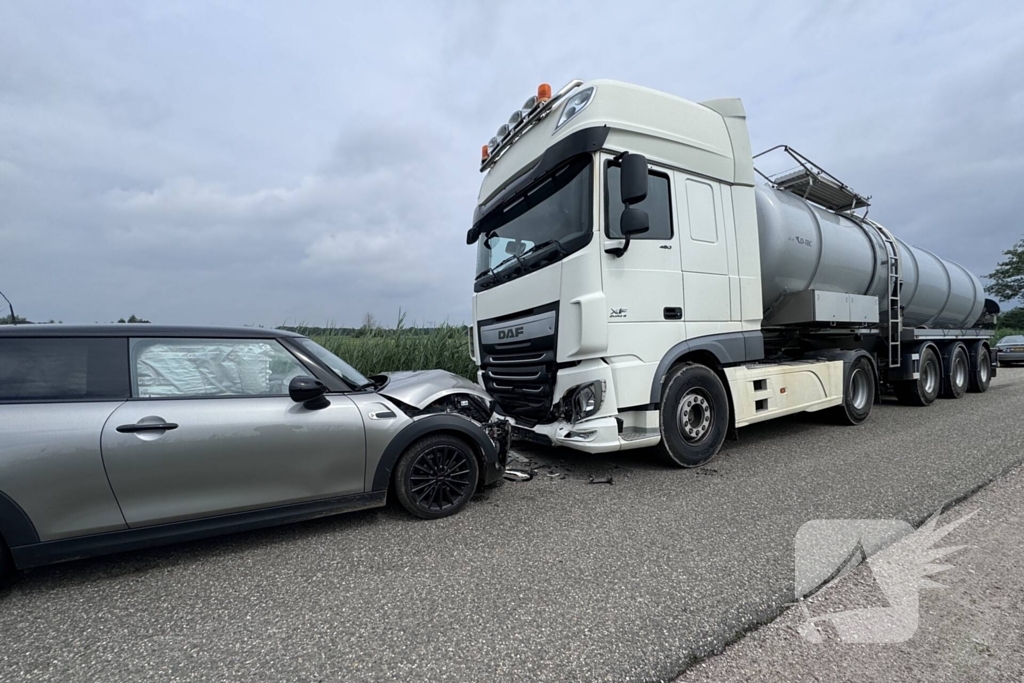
<point>633,222</point>
<point>633,179</point>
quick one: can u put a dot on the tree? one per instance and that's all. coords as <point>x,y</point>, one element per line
<point>1012,319</point>
<point>6,320</point>
<point>1008,277</point>
<point>132,319</point>
<point>369,322</point>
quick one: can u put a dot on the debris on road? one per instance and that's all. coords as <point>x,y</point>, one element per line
<point>606,480</point>
<point>518,475</point>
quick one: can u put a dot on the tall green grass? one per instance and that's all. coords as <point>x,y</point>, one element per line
<point>376,350</point>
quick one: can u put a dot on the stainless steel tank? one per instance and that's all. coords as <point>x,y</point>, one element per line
<point>805,247</point>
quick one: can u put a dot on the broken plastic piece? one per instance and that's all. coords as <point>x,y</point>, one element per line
<point>606,480</point>
<point>517,475</point>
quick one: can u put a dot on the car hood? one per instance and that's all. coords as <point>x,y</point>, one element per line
<point>421,388</point>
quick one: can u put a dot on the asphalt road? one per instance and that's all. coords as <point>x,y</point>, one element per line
<point>551,579</point>
<point>971,629</point>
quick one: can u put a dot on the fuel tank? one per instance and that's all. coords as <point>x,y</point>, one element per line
<point>806,247</point>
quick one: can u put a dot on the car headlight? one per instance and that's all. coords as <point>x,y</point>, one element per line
<point>574,106</point>
<point>584,401</point>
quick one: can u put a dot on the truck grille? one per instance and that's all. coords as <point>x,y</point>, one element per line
<point>519,371</point>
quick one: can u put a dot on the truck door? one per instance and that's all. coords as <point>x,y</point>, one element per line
<point>210,430</point>
<point>645,284</point>
<point>704,254</point>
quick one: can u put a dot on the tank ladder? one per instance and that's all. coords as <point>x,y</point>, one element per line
<point>894,317</point>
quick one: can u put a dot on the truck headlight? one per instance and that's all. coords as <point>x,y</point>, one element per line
<point>574,106</point>
<point>584,401</point>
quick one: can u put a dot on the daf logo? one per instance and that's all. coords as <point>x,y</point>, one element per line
<point>510,333</point>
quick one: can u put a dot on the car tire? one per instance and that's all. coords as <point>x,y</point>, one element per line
<point>958,374</point>
<point>925,389</point>
<point>436,476</point>
<point>981,376</point>
<point>858,393</point>
<point>694,416</point>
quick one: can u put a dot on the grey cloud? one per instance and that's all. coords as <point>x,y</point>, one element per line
<point>255,164</point>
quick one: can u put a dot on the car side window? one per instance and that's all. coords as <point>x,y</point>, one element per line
<point>60,369</point>
<point>208,368</point>
<point>657,205</point>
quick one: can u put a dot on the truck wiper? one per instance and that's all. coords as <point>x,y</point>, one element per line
<point>519,257</point>
<point>544,245</point>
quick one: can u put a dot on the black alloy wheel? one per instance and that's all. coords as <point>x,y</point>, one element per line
<point>436,476</point>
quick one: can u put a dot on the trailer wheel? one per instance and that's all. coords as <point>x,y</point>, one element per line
<point>981,375</point>
<point>958,373</point>
<point>694,416</point>
<point>925,389</point>
<point>858,394</point>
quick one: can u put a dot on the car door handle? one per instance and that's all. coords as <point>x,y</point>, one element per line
<point>673,313</point>
<point>156,427</point>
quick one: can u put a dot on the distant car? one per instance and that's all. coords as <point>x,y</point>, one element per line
<point>117,437</point>
<point>1010,350</point>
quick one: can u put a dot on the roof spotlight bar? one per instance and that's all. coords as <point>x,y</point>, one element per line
<point>533,110</point>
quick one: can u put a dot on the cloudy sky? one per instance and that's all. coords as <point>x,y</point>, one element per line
<point>251,163</point>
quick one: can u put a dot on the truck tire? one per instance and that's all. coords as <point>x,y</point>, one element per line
<point>694,416</point>
<point>858,393</point>
<point>925,389</point>
<point>436,476</point>
<point>957,373</point>
<point>6,565</point>
<point>981,375</point>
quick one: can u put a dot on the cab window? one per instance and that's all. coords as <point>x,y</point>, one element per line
<point>657,205</point>
<point>211,368</point>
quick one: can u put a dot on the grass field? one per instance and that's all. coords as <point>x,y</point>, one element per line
<point>445,347</point>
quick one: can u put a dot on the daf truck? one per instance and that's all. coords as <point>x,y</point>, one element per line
<point>639,283</point>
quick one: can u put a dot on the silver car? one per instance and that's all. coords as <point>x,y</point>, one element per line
<point>117,437</point>
<point>1010,350</point>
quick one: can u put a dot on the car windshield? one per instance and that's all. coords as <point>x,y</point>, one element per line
<point>556,212</point>
<point>340,367</point>
<point>1016,339</point>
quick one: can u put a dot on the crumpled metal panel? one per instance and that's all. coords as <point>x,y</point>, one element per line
<point>421,388</point>
<point>215,368</point>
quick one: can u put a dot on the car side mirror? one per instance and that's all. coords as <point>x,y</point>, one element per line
<point>633,178</point>
<point>309,392</point>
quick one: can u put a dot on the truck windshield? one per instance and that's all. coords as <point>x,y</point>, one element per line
<point>545,222</point>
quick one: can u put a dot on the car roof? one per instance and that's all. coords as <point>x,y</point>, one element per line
<point>1013,338</point>
<point>141,330</point>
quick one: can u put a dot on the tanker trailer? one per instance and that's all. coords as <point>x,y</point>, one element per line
<point>826,270</point>
<point>638,285</point>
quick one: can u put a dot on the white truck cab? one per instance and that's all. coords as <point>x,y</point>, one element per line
<point>601,341</point>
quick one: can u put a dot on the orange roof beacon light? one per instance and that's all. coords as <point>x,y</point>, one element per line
<point>543,92</point>
<point>484,153</point>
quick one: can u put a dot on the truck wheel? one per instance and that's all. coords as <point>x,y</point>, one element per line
<point>436,476</point>
<point>6,565</point>
<point>925,389</point>
<point>957,374</point>
<point>982,375</point>
<point>858,394</point>
<point>694,416</point>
